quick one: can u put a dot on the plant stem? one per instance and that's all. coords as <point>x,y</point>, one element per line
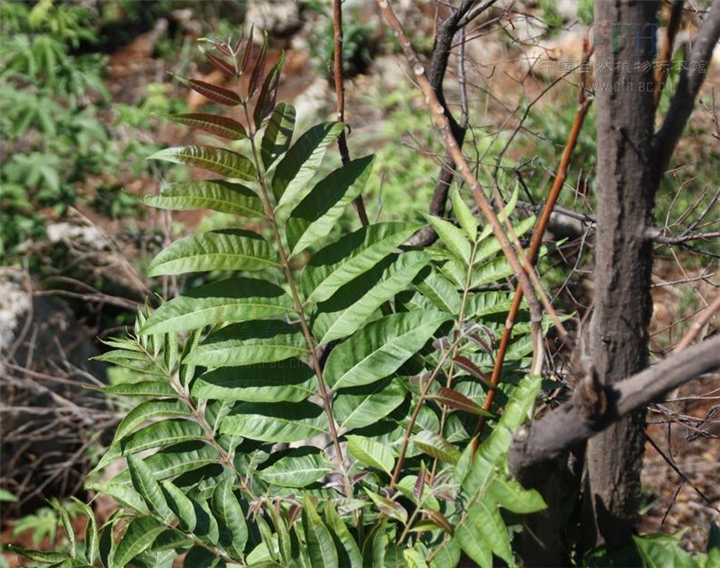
<point>324,393</point>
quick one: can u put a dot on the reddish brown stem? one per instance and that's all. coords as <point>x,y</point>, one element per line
<point>663,64</point>
<point>536,240</point>
<point>340,101</point>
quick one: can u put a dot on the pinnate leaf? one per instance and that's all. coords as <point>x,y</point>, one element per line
<point>217,195</point>
<point>213,123</point>
<point>278,133</point>
<point>268,422</point>
<point>226,249</point>
<point>371,453</point>
<point>380,348</point>
<point>219,160</point>
<point>232,300</point>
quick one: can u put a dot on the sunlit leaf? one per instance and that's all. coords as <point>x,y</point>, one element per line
<point>248,343</point>
<point>211,158</point>
<point>232,300</point>
<point>227,249</point>
<point>371,453</point>
<point>278,133</point>
<point>298,468</point>
<point>321,547</point>
<point>287,422</point>
<point>218,195</point>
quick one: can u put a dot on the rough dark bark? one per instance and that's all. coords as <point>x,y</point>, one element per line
<point>624,38</point>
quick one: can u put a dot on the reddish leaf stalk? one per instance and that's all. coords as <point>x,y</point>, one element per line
<point>664,61</point>
<point>340,100</point>
<point>538,233</point>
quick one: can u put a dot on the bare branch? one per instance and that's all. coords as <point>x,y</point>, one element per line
<point>695,69</point>
<point>551,437</point>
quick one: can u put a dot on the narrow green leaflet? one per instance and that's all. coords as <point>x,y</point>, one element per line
<point>213,123</point>
<point>226,249</point>
<point>511,495</point>
<point>218,195</point>
<point>380,348</point>
<point>485,524</point>
<point>349,554</point>
<point>352,306</point>
<point>436,446</point>
<point>289,380</point>
<point>200,557</point>
<point>123,494</point>
<point>232,300</point>
<point>467,536</point>
<point>298,468</point>
<point>392,509</point>
<point>371,453</point>
<point>362,406</point>
<point>318,213</point>
<point>506,211</point>
<point>482,304</point>
<point>288,422</point>
<point>155,435</point>
<point>278,133</point>
<point>150,410</point>
<point>248,343</point>
<point>350,256</point>
<point>300,164</point>
<point>178,459</point>
<point>318,539</point>
<point>455,239</point>
<point>440,291</point>
<point>92,537</point>
<point>467,220</point>
<point>491,246</point>
<point>219,160</point>
<point>138,537</point>
<point>147,486</point>
<point>142,388</point>
<point>230,517</point>
<point>180,505</point>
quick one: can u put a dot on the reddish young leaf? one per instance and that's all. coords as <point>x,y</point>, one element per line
<point>222,65</point>
<point>219,125</point>
<point>268,94</point>
<point>467,365</point>
<point>258,73</point>
<point>457,401</point>
<point>248,53</point>
<point>213,92</point>
<point>419,483</point>
<point>439,519</point>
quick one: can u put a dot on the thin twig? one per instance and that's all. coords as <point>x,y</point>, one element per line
<point>536,240</point>
<point>462,165</point>
<point>707,314</point>
<point>340,101</point>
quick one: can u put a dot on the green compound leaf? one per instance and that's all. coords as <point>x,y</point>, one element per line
<point>138,537</point>
<point>352,306</point>
<point>218,195</point>
<point>278,133</point>
<point>319,212</point>
<point>318,539</point>
<point>298,468</point>
<point>380,348</point>
<point>147,486</point>
<point>228,249</point>
<point>362,406</point>
<point>230,517</point>
<point>219,160</point>
<point>371,453</point>
<point>249,343</point>
<point>290,380</point>
<point>436,446</point>
<point>150,410</point>
<point>213,123</point>
<point>232,300</point>
<point>288,422</point>
<point>297,168</point>
<point>351,256</point>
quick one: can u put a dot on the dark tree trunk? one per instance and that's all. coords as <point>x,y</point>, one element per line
<point>624,37</point>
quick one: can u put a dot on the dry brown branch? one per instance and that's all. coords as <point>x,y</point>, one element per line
<point>551,437</point>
